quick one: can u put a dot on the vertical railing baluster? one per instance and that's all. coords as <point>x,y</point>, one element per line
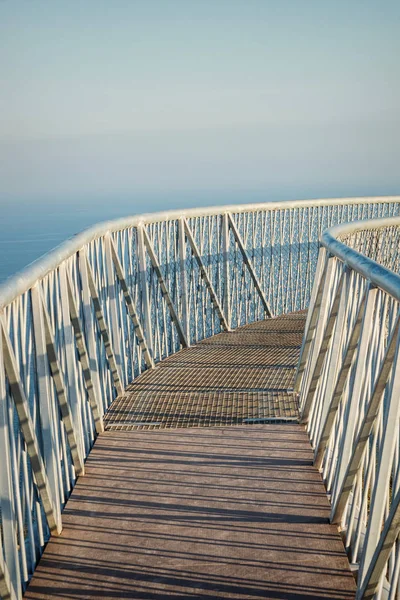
<point>28,431</point>
<point>183,278</point>
<point>144,289</point>
<point>226,258</point>
<point>90,331</point>
<point>71,375</point>
<point>113,297</point>
<point>45,396</point>
<point>10,571</point>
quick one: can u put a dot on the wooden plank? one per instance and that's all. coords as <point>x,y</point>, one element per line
<point>197,513</point>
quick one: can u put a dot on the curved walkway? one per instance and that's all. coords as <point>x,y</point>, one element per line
<point>196,513</point>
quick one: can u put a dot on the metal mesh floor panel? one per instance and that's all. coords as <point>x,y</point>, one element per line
<point>245,376</point>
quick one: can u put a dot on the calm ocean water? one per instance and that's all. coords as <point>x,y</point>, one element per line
<point>30,229</point>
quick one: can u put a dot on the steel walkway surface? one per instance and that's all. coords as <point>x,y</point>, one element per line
<point>232,378</point>
<point>216,512</point>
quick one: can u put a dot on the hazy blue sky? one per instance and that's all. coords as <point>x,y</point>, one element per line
<point>288,98</point>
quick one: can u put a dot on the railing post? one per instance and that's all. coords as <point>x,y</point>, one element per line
<point>326,336</point>
<point>70,363</point>
<point>203,271</point>
<point>164,290</point>
<point>10,577</point>
<point>312,317</point>
<point>340,383</point>
<point>104,330</point>
<point>336,351</point>
<point>363,435</point>
<point>94,400</point>
<point>183,278</point>
<point>382,481</point>
<point>7,591</point>
<point>59,384</point>
<point>89,327</point>
<point>315,336</point>
<point>46,401</point>
<point>28,432</point>
<point>247,261</point>
<point>144,288</point>
<point>369,583</point>
<point>113,298</point>
<point>226,259</point>
<point>131,307</point>
<point>351,410</point>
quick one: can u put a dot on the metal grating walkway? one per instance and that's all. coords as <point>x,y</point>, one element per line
<point>245,376</point>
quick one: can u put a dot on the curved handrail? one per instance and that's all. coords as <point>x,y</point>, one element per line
<point>377,274</point>
<point>349,382</point>
<point>19,283</point>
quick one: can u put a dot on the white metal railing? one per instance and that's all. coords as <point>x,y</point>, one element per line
<point>82,322</point>
<point>349,382</point>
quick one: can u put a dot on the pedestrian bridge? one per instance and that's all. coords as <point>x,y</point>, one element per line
<point>205,404</point>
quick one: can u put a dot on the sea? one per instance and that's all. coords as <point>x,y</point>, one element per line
<point>31,228</point>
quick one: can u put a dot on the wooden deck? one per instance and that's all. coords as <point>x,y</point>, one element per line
<point>196,512</point>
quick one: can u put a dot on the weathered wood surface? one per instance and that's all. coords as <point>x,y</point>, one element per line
<point>195,513</point>
<point>234,512</point>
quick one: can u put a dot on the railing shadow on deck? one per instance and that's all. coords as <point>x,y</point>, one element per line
<point>78,325</point>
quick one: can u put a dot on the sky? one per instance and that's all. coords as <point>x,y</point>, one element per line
<point>180,99</point>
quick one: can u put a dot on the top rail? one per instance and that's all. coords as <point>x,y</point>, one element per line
<point>366,266</point>
<point>25,279</point>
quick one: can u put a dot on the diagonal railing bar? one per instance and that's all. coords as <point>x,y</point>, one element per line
<point>334,402</point>
<point>183,278</point>
<point>226,269</point>
<point>68,352</point>
<point>383,480</point>
<point>28,431</point>
<point>315,333</point>
<point>316,373</point>
<point>113,304</point>
<point>104,330</point>
<point>61,392</point>
<point>144,290</point>
<point>355,389</point>
<point>89,326</point>
<point>164,289</point>
<point>367,424</point>
<point>131,306</point>
<point>390,533</point>
<point>307,336</point>
<point>333,359</point>
<point>205,277</point>
<point>84,359</point>
<point>7,591</point>
<point>10,572</point>
<point>47,413</point>
<point>249,264</point>
<point>310,329</point>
